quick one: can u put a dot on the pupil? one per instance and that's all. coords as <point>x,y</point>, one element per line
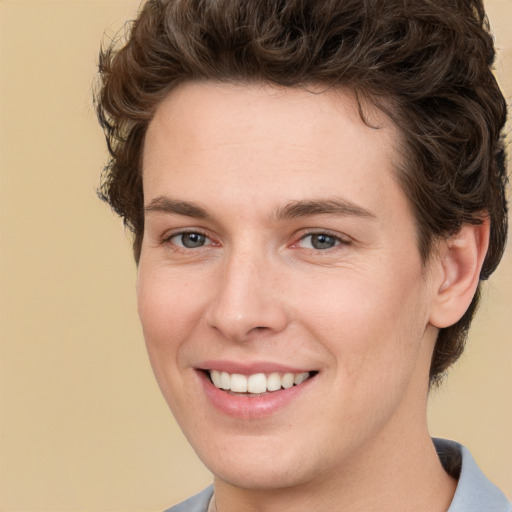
<point>323,241</point>
<point>191,240</point>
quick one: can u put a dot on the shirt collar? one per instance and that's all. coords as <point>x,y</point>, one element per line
<point>474,493</point>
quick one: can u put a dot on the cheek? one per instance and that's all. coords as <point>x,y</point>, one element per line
<point>169,309</point>
<point>368,322</point>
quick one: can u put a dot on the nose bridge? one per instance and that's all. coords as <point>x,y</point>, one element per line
<point>247,298</point>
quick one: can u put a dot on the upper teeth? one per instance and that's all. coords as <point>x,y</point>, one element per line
<point>256,383</point>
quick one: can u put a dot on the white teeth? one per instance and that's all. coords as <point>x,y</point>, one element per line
<point>225,380</point>
<point>215,375</point>
<point>256,383</point>
<point>287,380</point>
<point>300,378</point>
<point>238,383</point>
<point>274,382</point>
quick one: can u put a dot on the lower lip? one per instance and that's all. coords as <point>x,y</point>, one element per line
<point>251,407</point>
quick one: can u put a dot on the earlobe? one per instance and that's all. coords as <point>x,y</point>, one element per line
<point>460,260</point>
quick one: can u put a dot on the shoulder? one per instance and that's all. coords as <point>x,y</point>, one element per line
<point>475,493</point>
<point>197,503</point>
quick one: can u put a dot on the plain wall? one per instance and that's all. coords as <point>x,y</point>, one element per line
<point>82,423</point>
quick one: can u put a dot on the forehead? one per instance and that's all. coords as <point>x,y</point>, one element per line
<point>236,111</point>
<point>286,143</point>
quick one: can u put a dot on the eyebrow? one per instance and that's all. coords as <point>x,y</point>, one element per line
<point>332,206</point>
<point>164,204</point>
<point>291,210</point>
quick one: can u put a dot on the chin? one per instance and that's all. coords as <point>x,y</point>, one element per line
<point>265,477</point>
<point>257,467</point>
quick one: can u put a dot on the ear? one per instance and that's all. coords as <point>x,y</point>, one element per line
<point>460,259</point>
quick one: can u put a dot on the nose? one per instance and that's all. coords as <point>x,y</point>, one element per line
<point>248,299</point>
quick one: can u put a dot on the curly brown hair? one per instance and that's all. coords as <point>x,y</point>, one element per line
<point>426,63</point>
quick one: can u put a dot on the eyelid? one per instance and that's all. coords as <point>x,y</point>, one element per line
<point>169,235</point>
<point>340,238</point>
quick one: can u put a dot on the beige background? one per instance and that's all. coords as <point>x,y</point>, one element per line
<point>83,426</point>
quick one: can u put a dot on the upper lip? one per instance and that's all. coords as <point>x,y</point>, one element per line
<point>250,368</point>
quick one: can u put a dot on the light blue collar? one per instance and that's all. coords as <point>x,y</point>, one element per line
<point>474,493</point>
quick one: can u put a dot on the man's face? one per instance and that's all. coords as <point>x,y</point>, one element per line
<point>278,241</point>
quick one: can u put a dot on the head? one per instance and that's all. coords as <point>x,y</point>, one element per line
<point>426,65</point>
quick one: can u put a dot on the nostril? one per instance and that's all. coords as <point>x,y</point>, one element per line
<point>259,329</point>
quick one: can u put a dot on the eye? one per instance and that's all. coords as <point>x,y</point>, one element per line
<point>319,241</point>
<point>190,240</point>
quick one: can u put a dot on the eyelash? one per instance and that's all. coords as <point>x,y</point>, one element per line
<point>167,239</point>
<point>338,241</point>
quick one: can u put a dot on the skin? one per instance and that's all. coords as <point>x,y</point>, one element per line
<point>363,313</point>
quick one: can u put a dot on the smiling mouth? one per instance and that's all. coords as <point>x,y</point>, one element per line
<point>257,383</point>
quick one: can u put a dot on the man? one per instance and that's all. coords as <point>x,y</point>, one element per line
<point>316,190</point>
